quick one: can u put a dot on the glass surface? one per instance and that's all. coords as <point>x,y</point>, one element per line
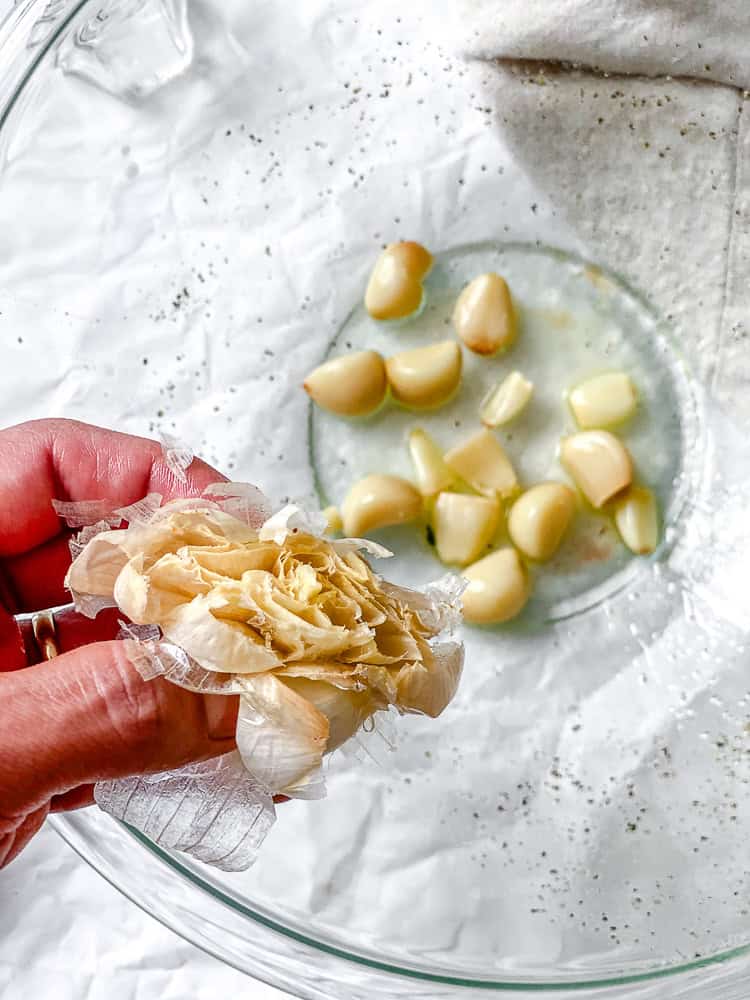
<point>177,256</point>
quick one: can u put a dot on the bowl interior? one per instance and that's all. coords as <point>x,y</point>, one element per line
<point>189,209</point>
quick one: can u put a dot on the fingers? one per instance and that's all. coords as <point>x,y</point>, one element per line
<point>88,716</point>
<point>36,578</point>
<point>66,460</point>
<point>76,798</point>
<point>13,841</point>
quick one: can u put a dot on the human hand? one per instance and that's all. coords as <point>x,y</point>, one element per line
<point>87,715</point>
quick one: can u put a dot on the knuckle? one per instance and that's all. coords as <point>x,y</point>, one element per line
<point>136,710</point>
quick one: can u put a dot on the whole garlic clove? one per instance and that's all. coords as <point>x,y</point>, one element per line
<point>603,401</point>
<point>506,401</point>
<point>395,286</point>
<point>484,316</point>
<point>464,526</point>
<point>425,376</point>
<point>539,519</point>
<point>333,517</point>
<point>481,461</point>
<point>600,464</point>
<point>498,588</point>
<point>637,520</point>
<point>379,501</point>
<point>432,474</point>
<point>351,386</point>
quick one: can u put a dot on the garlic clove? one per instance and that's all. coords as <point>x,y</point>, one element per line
<point>484,316</point>
<point>281,736</point>
<point>464,526</point>
<point>379,501</point>
<point>481,461</point>
<point>334,523</point>
<point>600,464</point>
<point>498,588</point>
<point>351,386</point>
<point>425,376</point>
<point>539,519</point>
<point>395,286</point>
<point>431,472</point>
<point>637,520</point>
<point>429,686</point>
<point>604,400</point>
<point>506,401</point>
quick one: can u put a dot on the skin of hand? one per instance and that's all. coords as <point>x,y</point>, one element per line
<point>86,715</point>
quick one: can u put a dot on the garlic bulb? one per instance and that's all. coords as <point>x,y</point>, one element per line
<point>315,642</point>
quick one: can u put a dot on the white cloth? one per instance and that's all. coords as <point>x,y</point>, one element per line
<point>650,171</point>
<point>686,38</point>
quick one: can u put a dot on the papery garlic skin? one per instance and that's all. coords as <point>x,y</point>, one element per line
<point>314,640</point>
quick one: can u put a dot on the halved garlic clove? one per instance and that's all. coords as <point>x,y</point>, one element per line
<point>603,401</point>
<point>333,516</point>
<point>352,385</point>
<point>379,501</point>
<point>483,464</point>
<point>484,316</point>
<point>432,474</point>
<point>425,376</point>
<point>464,525</point>
<point>637,520</point>
<point>395,286</point>
<point>539,519</point>
<point>600,464</point>
<point>506,401</point>
<point>498,588</point>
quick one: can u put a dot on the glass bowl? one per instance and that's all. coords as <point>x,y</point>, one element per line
<point>191,200</point>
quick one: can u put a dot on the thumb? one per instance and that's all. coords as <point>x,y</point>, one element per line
<point>88,715</point>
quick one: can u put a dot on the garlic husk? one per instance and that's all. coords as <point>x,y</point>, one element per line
<point>313,639</point>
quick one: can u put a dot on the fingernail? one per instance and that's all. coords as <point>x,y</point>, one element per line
<point>221,716</point>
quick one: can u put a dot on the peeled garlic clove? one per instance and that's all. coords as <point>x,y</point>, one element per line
<point>498,588</point>
<point>378,501</point>
<point>281,736</point>
<point>428,687</point>
<point>464,526</point>
<point>352,385</point>
<point>432,474</point>
<point>484,317</point>
<point>483,464</point>
<point>539,519</point>
<point>345,710</point>
<point>333,516</point>
<point>426,376</point>
<point>599,463</point>
<point>504,403</point>
<point>637,520</point>
<point>395,286</point>
<point>604,400</point>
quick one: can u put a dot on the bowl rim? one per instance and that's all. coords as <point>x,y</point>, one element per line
<point>159,884</point>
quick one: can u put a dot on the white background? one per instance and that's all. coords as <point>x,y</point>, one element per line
<point>66,933</point>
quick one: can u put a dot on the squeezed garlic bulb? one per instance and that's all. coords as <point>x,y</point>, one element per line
<point>299,625</point>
